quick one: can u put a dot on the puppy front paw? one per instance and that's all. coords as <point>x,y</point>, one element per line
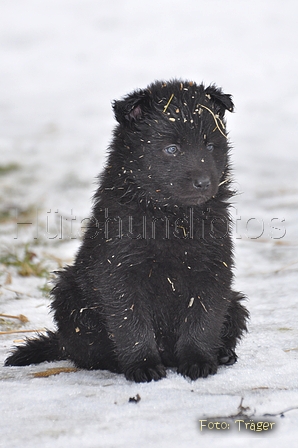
<point>197,370</point>
<point>144,373</point>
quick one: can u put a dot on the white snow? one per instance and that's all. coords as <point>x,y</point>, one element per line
<point>62,62</point>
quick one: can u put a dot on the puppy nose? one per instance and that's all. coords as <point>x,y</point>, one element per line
<point>202,182</point>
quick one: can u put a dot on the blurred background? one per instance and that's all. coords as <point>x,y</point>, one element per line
<point>62,62</point>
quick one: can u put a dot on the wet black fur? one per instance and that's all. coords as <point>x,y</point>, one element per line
<point>151,286</point>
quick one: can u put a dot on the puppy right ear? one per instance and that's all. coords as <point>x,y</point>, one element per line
<point>131,108</point>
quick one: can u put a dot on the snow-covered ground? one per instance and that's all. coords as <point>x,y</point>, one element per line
<point>62,62</point>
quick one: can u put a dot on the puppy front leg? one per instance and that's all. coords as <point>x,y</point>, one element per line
<point>198,343</point>
<point>130,328</point>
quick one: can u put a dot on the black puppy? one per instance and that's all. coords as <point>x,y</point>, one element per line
<point>151,284</point>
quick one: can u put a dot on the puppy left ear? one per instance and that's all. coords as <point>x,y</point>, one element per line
<point>131,108</point>
<point>222,101</point>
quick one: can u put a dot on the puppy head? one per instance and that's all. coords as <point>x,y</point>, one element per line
<point>177,142</point>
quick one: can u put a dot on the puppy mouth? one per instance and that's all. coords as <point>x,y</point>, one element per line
<point>202,200</point>
<point>194,200</point>
<point>190,199</point>
<point>195,196</point>
<point>198,197</point>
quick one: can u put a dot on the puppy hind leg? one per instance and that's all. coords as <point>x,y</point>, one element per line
<point>234,326</point>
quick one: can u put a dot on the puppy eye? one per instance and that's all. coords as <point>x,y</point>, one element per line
<point>210,147</point>
<point>171,150</point>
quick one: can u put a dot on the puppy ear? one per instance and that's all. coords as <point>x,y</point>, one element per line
<point>222,101</point>
<point>131,108</point>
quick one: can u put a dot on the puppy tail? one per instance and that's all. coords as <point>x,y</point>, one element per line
<point>34,351</point>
